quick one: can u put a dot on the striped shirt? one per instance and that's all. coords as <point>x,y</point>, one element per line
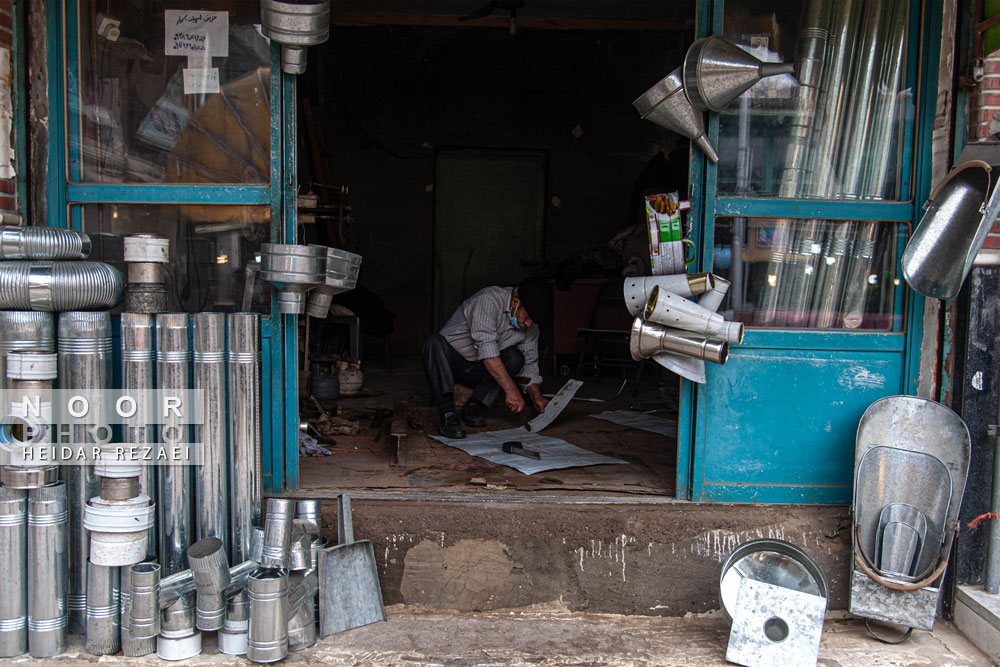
<point>480,328</point>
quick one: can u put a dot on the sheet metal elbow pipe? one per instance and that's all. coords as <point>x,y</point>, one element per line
<point>60,286</point>
<point>48,539</point>
<point>42,243</point>
<point>14,564</point>
<point>211,578</point>
<point>278,525</point>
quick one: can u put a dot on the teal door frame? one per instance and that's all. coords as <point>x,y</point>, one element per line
<point>719,463</point>
<point>66,194</point>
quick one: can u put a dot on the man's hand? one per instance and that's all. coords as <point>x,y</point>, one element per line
<point>535,392</point>
<point>515,402</point>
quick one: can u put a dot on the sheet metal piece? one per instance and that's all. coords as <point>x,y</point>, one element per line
<point>555,453</point>
<point>775,626</point>
<point>915,609</point>
<point>640,420</point>
<point>349,592</point>
<point>555,406</point>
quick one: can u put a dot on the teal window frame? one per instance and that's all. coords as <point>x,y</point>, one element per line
<point>66,195</point>
<point>924,47</point>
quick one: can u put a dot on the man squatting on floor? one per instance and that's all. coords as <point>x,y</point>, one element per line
<point>488,341</point>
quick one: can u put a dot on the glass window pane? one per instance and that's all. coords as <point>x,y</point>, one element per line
<point>810,274</point>
<point>208,259</point>
<point>148,117</point>
<point>834,133</point>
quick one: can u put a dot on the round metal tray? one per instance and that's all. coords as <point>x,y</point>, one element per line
<point>773,562</point>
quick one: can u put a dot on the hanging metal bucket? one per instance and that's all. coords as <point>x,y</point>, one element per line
<point>716,72</point>
<point>939,256</point>
<point>666,105</point>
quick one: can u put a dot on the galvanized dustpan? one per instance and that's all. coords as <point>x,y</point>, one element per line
<point>951,232</point>
<point>911,463</point>
<point>349,593</point>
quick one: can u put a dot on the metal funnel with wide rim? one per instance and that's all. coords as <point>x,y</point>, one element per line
<point>774,562</point>
<point>939,256</point>
<point>648,339</point>
<point>666,105</point>
<point>294,270</point>
<point>716,72</point>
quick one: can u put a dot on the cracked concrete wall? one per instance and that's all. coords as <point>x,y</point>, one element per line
<point>654,559</point>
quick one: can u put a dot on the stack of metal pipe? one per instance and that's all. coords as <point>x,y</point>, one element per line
<point>33,544</point>
<point>677,333</point>
<point>845,131</point>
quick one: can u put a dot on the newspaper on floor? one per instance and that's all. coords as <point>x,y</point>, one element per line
<point>554,453</point>
<point>640,420</point>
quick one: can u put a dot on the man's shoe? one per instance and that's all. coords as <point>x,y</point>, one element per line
<point>472,415</point>
<point>450,426</point>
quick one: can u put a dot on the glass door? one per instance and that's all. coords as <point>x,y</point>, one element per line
<point>806,214</point>
<point>176,121</point>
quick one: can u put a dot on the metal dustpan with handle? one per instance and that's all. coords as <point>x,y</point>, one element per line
<point>951,232</point>
<point>349,592</point>
<point>911,463</point>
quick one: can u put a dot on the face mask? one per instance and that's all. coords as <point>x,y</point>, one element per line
<point>513,319</point>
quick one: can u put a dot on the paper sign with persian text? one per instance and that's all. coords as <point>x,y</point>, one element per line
<point>195,32</point>
<point>201,80</point>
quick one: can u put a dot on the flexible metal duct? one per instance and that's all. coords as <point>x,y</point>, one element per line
<point>42,243</point>
<point>84,367</point>
<point>48,539</point>
<point>24,330</point>
<point>103,632</point>
<point>211,481</point>
<point>13,565</point>
<point>60,286</point>
<point>137,376</point>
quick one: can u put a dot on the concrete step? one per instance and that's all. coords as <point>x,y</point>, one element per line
<point>620,555</point>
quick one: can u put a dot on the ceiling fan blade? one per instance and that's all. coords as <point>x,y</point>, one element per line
<point>480,12</point>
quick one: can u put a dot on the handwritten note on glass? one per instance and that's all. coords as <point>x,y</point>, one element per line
<point>196,33</point>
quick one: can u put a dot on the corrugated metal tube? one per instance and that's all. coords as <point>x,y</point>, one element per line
<point>60,286</point>
<point>42,243</point>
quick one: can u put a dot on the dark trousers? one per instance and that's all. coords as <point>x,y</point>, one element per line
<point>444,367</point>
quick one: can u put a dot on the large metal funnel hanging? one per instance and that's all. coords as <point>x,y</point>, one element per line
<point>648,339</point>
<point>666,105</point>
<point>939,256</point>
<point>716,72</point>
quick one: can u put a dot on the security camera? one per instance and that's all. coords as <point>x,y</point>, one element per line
<point>107,27</point>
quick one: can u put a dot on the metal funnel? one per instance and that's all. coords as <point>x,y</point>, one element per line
<point>666,105</point>
<point>716,72</point>
<point>939,256</point>
<point>648,339</point>
<point>294,270</point>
